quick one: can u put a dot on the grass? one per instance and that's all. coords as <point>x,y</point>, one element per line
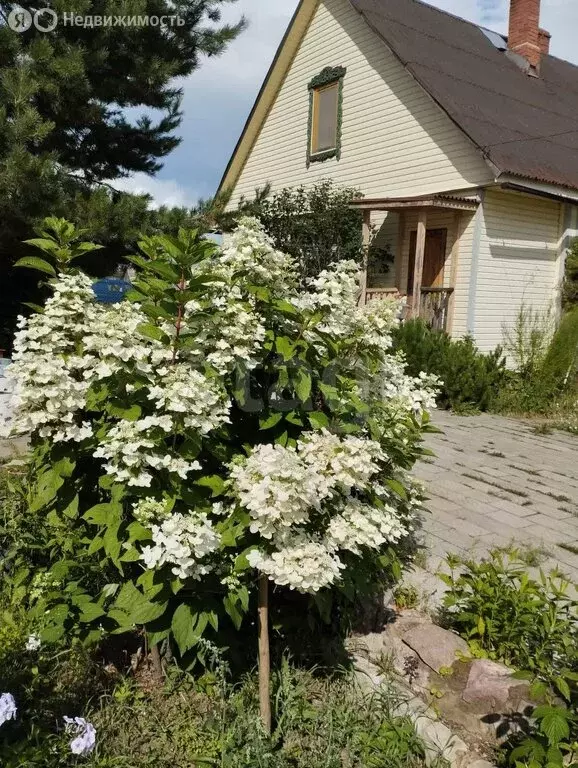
<point>493,484</point>
<point>322,719</point>
<point>321,722</point>
<point>573,548</point>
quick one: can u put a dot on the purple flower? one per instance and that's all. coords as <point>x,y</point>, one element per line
<point>84,735</point>
<point>7,708</point>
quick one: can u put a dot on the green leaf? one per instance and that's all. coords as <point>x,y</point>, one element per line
<point>270,421</point>
<point>120,412</point>
<point>71,510</point>
<point>563,687</point>
<point>303,385</point>
<point>112,545</point>
<point>318,420</point>
<point>33,262</point>
<point>396,487</point>
<point>35,307</point>
<point>91,612</point>
<point>214,482</point>
<point>285,347</point>
<point>152,332</point>
<point>481,626</point>
<point>234,613</point>
<point>147,611</point>
<point>183,626</point>
<point>104,514</point>
<point>555,726</point>
<point>163,269</point>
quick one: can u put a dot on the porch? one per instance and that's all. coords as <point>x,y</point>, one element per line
<point>423,236</point>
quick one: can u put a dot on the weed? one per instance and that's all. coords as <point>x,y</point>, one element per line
<point>493,484</point>
<point>558,497</point>
<point>573,548</point>
<point>406,596</point>
<point>508,616</point>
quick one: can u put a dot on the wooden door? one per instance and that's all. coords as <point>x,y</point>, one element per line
<point>433,260</point>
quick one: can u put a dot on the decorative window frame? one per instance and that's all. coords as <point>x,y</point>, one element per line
<point>328,76</point>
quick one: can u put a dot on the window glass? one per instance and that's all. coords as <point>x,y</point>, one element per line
<point>325,118</point>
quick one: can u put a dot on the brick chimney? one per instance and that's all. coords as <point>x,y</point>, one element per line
<point>544,41</point>
<point>524,33</point>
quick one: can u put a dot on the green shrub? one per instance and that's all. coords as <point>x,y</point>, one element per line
<point>570,288</point>
<point>532,625</point>
<point>508,616</point>
<point>561,361</point>
<point>470,379</point>
<point>546,380</point>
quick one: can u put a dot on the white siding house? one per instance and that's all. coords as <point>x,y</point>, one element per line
<point>407,138</point>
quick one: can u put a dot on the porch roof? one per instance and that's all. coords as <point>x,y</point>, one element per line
<point>447,202</point>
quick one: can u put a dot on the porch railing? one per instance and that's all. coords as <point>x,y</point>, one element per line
<point>376,294</point>
<point>434,304</point>
<point>434,307</point>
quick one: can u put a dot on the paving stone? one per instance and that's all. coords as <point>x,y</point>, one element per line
<point>470,516</point>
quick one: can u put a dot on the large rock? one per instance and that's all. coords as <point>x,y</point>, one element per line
<point>492,684</point>
<point>435,646</point>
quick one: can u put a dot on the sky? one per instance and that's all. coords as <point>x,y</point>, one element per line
<point>219,95</point>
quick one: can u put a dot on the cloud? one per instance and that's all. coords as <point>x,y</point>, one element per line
<point>163,191</point>
<point>220,94</point>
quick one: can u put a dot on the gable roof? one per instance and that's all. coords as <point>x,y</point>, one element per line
<point>525,126</point>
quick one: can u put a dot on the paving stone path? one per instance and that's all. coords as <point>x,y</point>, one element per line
<point>494,482</point>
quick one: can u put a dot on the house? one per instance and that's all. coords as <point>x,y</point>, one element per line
<point>463,142</point>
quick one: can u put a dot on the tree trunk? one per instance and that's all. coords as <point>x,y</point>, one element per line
<point>264,656</point>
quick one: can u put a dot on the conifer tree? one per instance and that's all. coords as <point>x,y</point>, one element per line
<point>68,100</point>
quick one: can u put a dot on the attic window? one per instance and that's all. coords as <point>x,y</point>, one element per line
<point>325,112</point>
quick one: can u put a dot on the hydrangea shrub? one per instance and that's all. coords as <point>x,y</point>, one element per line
<point>219,423</point>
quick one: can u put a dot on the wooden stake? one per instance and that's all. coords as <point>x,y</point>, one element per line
<point>157,664</point>
<point>264,655</point>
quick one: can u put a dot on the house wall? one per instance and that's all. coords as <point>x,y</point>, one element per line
<point>518,261</point>
<point>395,140</point>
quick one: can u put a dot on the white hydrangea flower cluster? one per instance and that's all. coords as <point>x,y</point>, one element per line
<point>182,390</point>
<point>150,510</point>
<point>130,450</point>
<point>251,253</point>
<point>375,321</point>
<point>49,385</point>
<point>336,292</point>
<point>364,525</point>
<point>317,484</point>
<point>349,462</point>
<point>182,541</point>
<point>229,331</point>
<point>278,488</point>
<point>399,392</point>
<point>301,564</point>
<point>112,338</point>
